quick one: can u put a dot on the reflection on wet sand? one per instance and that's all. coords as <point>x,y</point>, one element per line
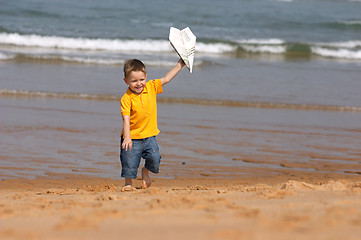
<point>54,135</point>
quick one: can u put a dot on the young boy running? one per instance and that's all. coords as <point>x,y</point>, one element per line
<point>139,112</point>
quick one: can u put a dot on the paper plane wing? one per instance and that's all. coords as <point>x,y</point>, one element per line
<point>184,43</point>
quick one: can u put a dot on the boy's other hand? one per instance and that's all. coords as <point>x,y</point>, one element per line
<point>127,144</point>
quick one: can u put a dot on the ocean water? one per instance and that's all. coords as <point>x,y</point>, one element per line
<point>305,28</point>
<point>276,83</point>
<point>273,51</point>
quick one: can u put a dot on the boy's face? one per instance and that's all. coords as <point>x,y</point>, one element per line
<point>136,81</point>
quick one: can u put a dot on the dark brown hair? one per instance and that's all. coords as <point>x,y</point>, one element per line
<point>133,65</point>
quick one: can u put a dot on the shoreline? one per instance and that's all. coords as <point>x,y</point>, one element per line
<point>270,207</point>
<point>21,94</point>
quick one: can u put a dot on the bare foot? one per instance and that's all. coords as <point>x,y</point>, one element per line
<point>146,178</point>
<point>127,185</point>
<point>127,188</point>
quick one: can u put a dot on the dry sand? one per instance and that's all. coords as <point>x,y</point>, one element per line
<point>312,206</point>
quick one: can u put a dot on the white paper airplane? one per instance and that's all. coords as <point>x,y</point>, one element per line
<point>184,43</point>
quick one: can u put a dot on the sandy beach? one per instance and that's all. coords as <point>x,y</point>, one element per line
<point>268,174</point>
<point>313,206</point>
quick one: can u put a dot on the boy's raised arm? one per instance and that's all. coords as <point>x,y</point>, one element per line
<point>173,72</point>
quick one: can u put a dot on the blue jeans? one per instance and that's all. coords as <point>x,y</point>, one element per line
<point>146,148</point>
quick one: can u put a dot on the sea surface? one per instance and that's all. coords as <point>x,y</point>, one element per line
<point>254,60</point>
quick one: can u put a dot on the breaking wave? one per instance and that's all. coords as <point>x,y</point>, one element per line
<point>346,44</point>
<point>352,22</point>
<point>340,50</point>
<point>229,103</point>
<point>107,51</point>
<point>272,45</point>
<point>83,43</point>
<point>148,45</point>
<point>337,53</point>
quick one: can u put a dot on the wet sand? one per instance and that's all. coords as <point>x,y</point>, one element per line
<point>226,173</point>
<point>42,136</point>
<point>274,207</point>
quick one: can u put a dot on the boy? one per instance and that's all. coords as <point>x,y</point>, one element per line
<point>139,112</point>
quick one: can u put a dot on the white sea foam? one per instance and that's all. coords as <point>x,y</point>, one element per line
<point>87,60</point>
<point>271,45</point>
<point>83,43</point>
<point>4,56</point>
<point>337,53</point>
<point>121,45</point>
<point>347,44</point>
<point>216,48</point>
<point>77,59</point>
<point>265,49</point>
<point>271,41</point>
<point>104,61</point>
<point>352,22</point>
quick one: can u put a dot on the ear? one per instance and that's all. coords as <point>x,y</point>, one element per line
<point>125,80</point>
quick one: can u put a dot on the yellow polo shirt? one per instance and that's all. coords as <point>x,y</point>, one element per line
<point>142,109</point>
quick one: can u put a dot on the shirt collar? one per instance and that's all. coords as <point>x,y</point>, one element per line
<point>133,95</point>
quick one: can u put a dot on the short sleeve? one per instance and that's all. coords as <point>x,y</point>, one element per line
<point>125,105</point>
<point>158,86</point>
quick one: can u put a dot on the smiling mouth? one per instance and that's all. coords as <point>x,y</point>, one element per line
<point>138,88</point>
